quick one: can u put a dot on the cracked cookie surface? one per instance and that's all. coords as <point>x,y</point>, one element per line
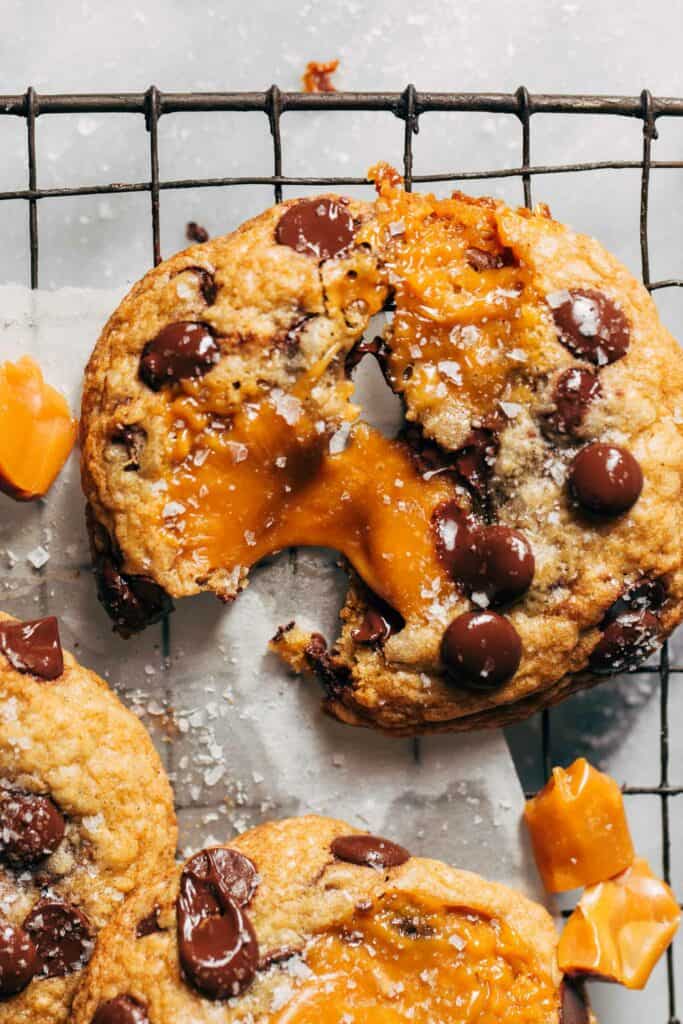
<point>86,814</point>
<point>520,538</point>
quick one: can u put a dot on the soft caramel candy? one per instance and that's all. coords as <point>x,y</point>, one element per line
<point>578,828</point>
<point>620,928</point>
<point>37,431</point>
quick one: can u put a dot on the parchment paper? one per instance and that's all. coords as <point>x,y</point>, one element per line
<point>242,739</point>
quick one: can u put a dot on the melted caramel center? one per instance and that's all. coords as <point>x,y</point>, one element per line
<point>267,478</point>
<point>409,961</point>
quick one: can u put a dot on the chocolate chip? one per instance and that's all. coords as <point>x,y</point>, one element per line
<point>574,1007</point>
<point>230,872</point>
<point>31,828</point>
<point>18,959</point>
<point>507,564</point>
<point>179,351</point>
<point>481,650</point>
<point>482,259</point>
<point>132,437</point>
<point>33,647</point>
<point>646,595</point>
<point>413,927</point>
<point>291,339</point>
<point>457,535</point>
<point>207,282</point>
<point>494,561</point>
<point>148,925</point>
<point>121,1010</point>
<point>625,642</point>
<point>216,942</point>
<point>379,623</point>
<point>194,232</point>
<point>318,227</point>
<point>133,602</point>
<point>369,851</point>
<point>574,391</point>
<point>605,479</point>
<point>62,936</point>
<point>590,325</point>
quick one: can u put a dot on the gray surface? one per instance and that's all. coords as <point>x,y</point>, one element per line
<point>568,47</point>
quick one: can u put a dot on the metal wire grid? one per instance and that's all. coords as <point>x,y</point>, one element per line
<point>408,106</point>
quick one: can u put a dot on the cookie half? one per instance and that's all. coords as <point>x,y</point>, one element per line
<point>86,814</point>
<point>307,920</point>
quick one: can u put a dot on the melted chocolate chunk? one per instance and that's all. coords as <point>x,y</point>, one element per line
<point>471,465</point>
<point>573,1002</point>
<point>291,339</point>
<point>62,936</point>
<point>318,227</point>
<point>590,325</point>
<point>575,389</point>
<point>216,943</point>
<point>121,1010</point>
<point>148,925</point>
<point>495,562</point>
<point>31,828</point>
<point>482,259</point>
<point>33,647</point>
<point>376,347</point>
<point>133,437</point>
<point>481,650</point>
<point>194,232</point>
<point>625,643</point>
<point>475,460</point>
<point>605,480</point>
<point>179,351</point>
<point>631,629</point>
<point>379,623</point>
<point>369,851</point>
<point>332,674</point>
<point>18,959</point>
<point>132,602</point>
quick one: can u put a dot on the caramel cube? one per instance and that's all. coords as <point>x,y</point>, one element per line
<point>578,828</point>
<point>37,431</point>
<point>620,928</point>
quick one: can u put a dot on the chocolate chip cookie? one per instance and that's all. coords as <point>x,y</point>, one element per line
<point>519,539</point>
<point>86,814</point>
<point>306,920</point>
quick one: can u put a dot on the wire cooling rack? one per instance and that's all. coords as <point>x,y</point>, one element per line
<point>408,106</point>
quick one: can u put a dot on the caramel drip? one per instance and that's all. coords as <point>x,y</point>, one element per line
<point>408,961</point>
<point>468,323</point>
<point>256,477</point>
<point>265,484</point>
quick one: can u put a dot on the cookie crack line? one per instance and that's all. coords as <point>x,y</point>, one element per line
<point>489,539</point>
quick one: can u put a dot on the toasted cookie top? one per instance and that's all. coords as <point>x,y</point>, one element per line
<point>520,537</point>
<point>307,919</point>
